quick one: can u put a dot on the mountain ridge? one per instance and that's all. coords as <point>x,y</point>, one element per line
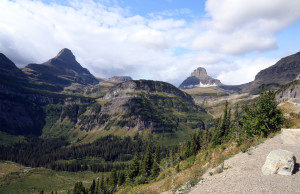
<point>282,72</point>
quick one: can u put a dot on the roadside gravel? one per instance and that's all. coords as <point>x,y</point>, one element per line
<point>244,174</point>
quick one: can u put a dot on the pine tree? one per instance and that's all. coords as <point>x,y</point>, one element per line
<point>113,179</point>
<point>79,188</point>
<point>101,186</point>
<point>121,178</point>
<point>263,117</point>
<point>134,167</point>
<point>93,187</point>
<point>147,162</point>
<point>222,128</point>
<point>155,166</point>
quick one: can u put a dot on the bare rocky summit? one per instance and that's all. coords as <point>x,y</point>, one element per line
<point>199,78</point>
<point>62,70</point>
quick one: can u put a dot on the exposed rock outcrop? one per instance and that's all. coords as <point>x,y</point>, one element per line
<point>279,162</point>
<point>199,78</point>
<point>120,78</point>
<point>125,89</point>
<point>290,90</point>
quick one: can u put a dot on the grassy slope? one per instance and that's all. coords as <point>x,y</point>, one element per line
<point>192,169</point>
<point>206,92</point>
<point>15,178</point>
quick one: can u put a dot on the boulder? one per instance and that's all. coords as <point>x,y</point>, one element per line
<point>290,136</point>
<point>279,162</point>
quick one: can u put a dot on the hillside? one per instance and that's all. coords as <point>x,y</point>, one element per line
<point>130,107</point>
<point>284,71</point>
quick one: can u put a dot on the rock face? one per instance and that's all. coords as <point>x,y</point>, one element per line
<point>199,78</point>
<point>284,71</point>
<point>290,90</point>
<point>120,78</point>
<point>62,70</point>
<point>290,136</point>
<point>279,162</point>
<point>125,89</point>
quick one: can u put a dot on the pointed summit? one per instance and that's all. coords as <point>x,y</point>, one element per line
<point>65,54</point>
<point>198,79</point>
<point>62,70</point>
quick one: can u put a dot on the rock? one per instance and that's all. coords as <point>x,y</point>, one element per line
<point>199,78</point>
<point>290,136</point>
<point>120,78</point>
<point>279,162</point>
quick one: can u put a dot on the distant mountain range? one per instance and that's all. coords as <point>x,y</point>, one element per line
<point>60,98</point>
<point>283,72</point>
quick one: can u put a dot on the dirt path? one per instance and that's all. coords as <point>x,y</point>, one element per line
<point>244,174</point>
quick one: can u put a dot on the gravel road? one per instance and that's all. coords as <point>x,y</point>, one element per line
<point>244,174</point>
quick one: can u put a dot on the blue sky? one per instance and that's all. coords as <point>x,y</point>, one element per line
<point>159,39</point>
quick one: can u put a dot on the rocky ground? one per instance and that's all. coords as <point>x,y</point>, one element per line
<point>244,173</point>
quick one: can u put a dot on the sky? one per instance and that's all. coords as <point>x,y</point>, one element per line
<point>159,39</point>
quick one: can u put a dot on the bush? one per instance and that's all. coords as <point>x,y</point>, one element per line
<point>262,118</point>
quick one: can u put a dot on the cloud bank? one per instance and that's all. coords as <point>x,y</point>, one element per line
<point>109,40</point>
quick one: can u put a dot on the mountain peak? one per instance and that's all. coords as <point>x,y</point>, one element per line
<point>65,54</point>
<point>200,73</point>
<point>199,78</point>
<point>62,70</point>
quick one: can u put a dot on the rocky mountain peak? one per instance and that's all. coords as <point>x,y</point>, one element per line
<point>62,70</point>
<point>199,78</point>
<point>200,73</point>
<point>66,55</point>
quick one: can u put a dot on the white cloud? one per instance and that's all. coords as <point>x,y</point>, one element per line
<point>240,26</point>
<point>244,70</point>
<point>109,40</point>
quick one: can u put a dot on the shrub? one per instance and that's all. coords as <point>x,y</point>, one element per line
<point>263,117</point>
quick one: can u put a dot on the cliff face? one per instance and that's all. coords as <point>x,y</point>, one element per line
<point>144,104</point>
<point>199,78</point>
<point>22,111</point>
<point>290,90</point>
<point>123,89</point>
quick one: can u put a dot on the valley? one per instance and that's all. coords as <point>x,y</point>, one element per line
<point>61,126</point>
